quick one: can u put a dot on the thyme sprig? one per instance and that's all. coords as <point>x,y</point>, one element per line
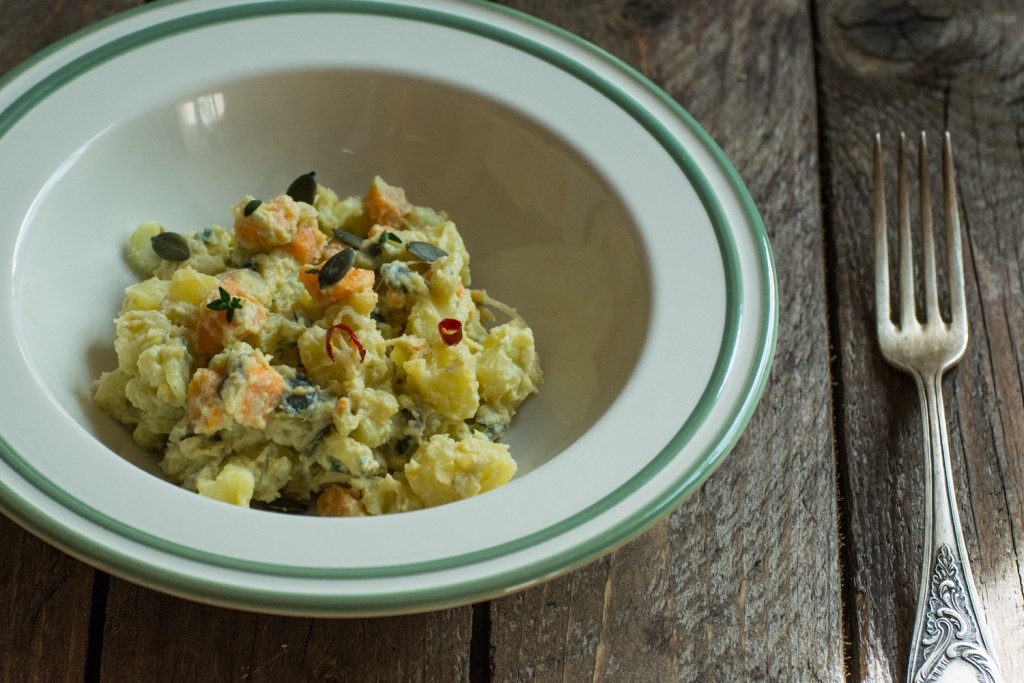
<point>227,303</point>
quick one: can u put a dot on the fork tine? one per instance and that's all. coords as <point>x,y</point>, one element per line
<point>957,295</point>
<point>907,315</point>
<point>931,295</point>
<point>882,313</point>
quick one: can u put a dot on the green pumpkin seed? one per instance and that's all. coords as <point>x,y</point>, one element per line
<point>425,251</point>
<point>303,188</point>
<point>335,268</point>
<point>170,246</point>
<point>285,505</point>
<point>251,206</point>
<point>354,241</point>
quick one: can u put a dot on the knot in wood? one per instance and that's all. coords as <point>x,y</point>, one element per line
<point>646,14</point>
<point>924,33</point>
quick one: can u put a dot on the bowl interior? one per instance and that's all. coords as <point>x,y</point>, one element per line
<point>546,233</point>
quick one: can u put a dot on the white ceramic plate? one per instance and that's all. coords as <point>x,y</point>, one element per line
<point>588,199</point>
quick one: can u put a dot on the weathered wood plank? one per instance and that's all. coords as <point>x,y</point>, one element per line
<point>47,596</point>
<point>933,66</point>
<point>150,636</point>
<point>28,27</point>
<point>742,582</point>
<point>44,613</point>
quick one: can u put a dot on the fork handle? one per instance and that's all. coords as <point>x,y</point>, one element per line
<point>950,641</point>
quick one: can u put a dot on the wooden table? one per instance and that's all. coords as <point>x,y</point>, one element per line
<point>799,559</point>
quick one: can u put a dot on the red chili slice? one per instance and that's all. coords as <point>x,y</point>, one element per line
<point>451,331</point>
<point>351,338</point>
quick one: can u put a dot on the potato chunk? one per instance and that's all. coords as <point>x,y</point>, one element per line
<point>445,377</point>
<point>444,470</point>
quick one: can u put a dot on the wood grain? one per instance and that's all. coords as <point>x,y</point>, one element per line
<point>933,66</point>
<point>44,614</point>
<point>28,27</point>
<point>150,636</point>
<point>742,582</point>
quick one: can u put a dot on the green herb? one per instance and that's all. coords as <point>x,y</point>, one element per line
<point>170,246</point>
<point>385,236</point>
<point>312,271</point>
<point>335,268</point>
<point>251,207</point>
<point>227,303</point>
<point>425,251</point>
<point>303,188</point>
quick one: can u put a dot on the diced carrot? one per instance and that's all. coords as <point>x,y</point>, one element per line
<point>272,224</point>
<point>263,390</point>
<point>308,278</point>
<point>213,328</point>
<point>205,409</point>
<point>356,280</point>
<point>337,502</point>
<point>305,247</point>
<point>386,204</point>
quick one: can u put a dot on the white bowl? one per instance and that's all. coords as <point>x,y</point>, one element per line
<point>588,199</point>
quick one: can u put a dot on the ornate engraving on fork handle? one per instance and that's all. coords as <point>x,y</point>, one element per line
<point>951,628</point>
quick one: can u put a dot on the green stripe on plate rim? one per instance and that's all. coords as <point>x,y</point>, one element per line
<point>493,583</point>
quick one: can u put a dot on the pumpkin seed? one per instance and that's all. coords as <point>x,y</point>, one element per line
<point>251,206</point>
<point>354,241</point>
<point>425,251</point>
<point>303,188</point>
<point>302,397</point>
<point>170,246</point>
<point>285,505</point>
<point>405,444</point>
<point>335,268</point>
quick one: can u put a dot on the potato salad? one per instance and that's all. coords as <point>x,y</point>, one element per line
<point>322,354</point>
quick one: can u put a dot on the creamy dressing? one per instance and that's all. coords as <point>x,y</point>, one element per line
<point>263,376</point>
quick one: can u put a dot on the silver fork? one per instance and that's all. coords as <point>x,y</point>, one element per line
<point>950,641</point>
